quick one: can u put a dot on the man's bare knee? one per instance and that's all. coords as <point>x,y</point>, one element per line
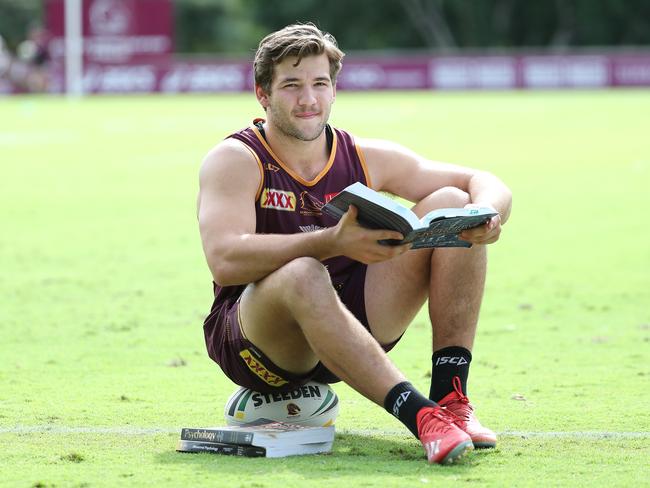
<point>453,197</point>
<point>303,277</point>
<point>446,197</point>
<point>302,268</point>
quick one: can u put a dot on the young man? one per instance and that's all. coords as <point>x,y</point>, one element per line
<point>300,297</point>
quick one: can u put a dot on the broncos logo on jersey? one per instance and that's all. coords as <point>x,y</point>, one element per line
<point>310,205</point>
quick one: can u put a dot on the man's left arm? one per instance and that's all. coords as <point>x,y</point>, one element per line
<point>402,172</point>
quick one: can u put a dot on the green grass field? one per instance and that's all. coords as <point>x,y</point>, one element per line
<point>103,291</point>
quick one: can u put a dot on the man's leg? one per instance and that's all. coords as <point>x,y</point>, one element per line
<point>453,279</point>
<point>296,318</point>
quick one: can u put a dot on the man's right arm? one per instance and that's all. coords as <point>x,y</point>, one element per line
<point>229,181</point>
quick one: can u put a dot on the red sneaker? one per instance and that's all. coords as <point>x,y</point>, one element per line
<point>457,403</point>
<point>442,440</point>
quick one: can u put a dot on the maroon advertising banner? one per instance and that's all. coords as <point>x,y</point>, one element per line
<point>631,70</point>
<point>390,73</point>
<point>384,73</point>
<point>167,77</point>
<point>116,31</point>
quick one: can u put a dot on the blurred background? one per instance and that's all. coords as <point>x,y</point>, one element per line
<point>175,46</point>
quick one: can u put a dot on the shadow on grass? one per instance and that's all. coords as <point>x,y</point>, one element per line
<point>351,455</point>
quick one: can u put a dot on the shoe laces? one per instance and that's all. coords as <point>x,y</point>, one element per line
<point>465,409</point>
<point>445,420</point>
<point>458,388</point>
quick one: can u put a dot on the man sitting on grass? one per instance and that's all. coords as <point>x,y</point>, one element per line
<point>308,298</point>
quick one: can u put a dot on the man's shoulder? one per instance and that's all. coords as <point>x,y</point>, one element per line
<point>227,149</point>
<point>382,150</point>
<point>379,145</point>
<point>228,155</point>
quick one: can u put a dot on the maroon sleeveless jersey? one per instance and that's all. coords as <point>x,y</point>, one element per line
<point>287,204</point>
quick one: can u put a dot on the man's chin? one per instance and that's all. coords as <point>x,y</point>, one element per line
<point>308,135</point>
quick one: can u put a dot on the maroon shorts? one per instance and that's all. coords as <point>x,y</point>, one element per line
<point>246,365</point>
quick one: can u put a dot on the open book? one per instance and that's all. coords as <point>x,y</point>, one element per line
<point>438,228</point>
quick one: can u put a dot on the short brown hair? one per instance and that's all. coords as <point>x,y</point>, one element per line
<point>298,40</point>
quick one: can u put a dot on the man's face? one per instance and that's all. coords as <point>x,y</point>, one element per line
<point>301,97</point>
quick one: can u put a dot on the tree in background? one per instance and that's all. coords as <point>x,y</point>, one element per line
<point>236,26</point>
<point>443,25</point>
<point>16,18</point>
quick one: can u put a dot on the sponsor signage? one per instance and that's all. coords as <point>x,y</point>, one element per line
<point>490,72</point>
<point>116,31</point>
<point>260,370</point>
<point>565,71</point>
<point>307,391</point>
<point>630,70</point>
<point>434,73</point>
<point>329,196</point>
<point>384,74</point>
<point>278,199</point>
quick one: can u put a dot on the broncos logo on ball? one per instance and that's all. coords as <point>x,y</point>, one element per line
<point>293,409</point>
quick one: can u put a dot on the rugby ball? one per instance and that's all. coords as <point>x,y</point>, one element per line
<point>313,404</point>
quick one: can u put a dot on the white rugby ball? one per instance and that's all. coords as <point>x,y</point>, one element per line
<point>314,404</point>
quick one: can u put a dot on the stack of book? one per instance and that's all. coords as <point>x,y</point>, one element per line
<point>262,439</point>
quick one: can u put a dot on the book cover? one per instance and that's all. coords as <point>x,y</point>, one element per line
<point>220,448</point>
<point>438,228</point>
<point>263,435</point>
<point>254,451</point>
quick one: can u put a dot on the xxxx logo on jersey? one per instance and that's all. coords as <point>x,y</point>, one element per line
<point>260,370</point>
<point>278,200</point>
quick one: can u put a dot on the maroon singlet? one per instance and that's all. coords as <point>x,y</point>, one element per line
<point>287,204</point>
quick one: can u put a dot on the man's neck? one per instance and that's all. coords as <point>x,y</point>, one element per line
<point>307,158</point>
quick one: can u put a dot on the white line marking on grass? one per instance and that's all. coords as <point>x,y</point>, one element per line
<point>38,137</point>
<point>63,429</point>
<point>579,435</point>
<point>589,434</point>
<point>127,430</point>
